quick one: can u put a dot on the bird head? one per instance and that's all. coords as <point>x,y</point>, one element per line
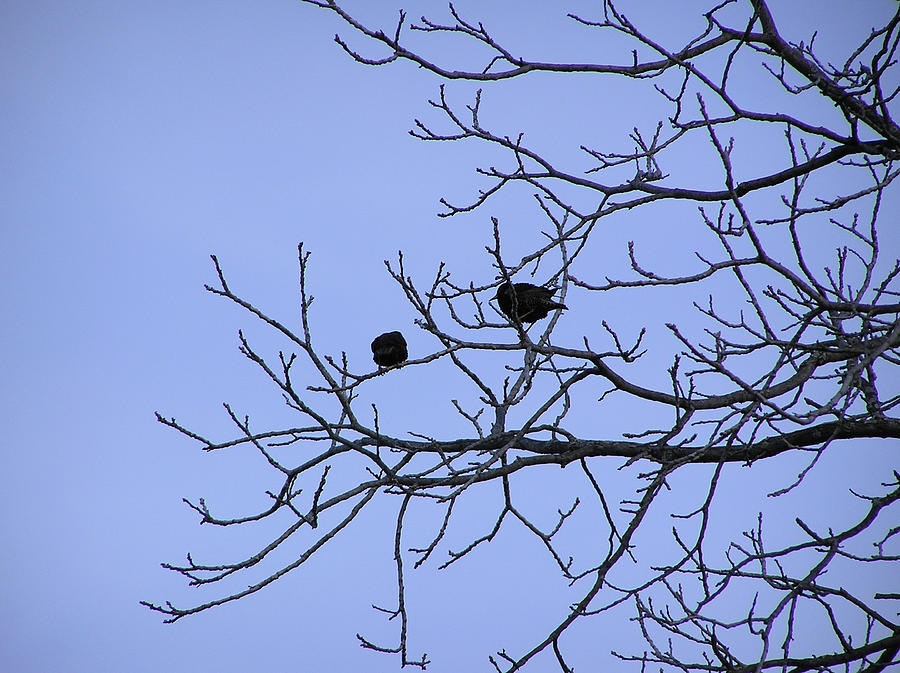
<point>505,290</point>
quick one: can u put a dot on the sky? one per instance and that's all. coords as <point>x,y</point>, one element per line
<point>138,138</point>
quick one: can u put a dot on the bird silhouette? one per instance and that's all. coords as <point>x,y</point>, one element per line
<point>389,349</point>
<point>532,301</point>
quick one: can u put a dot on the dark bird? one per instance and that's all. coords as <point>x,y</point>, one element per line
<point>389,349</point>
<point>532,301</point>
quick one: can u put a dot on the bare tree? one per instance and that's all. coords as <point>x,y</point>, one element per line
<point>800,364</point>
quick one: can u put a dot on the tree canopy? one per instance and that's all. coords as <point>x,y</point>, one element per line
<point>752,316</point>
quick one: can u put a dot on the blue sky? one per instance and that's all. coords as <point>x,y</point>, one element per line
<point>137,139</point>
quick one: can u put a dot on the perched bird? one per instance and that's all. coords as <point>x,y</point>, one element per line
<point>532,301</point>
<point>389,349</point>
